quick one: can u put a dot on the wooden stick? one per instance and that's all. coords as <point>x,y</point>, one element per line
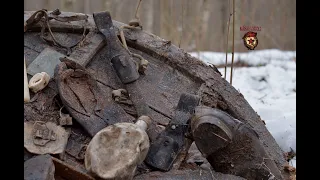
<point>26,85</point>
<point>182,13</point>
<point>225,67</point>
<point>137,10</point>
<point>232,42</point>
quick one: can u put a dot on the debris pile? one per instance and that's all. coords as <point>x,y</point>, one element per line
<point>82,123</point>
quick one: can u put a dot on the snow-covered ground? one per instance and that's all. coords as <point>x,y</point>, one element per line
<point>269,87</point>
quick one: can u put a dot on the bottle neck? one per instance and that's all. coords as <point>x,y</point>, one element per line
<point>142,124</point>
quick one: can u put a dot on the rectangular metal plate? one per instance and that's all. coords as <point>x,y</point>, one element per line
<point>46,61</point>
<point>84,54</point>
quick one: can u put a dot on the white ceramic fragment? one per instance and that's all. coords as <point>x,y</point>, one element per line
<point>39,81</point>
<point>119,94</point>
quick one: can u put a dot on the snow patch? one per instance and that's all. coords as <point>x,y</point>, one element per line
<point>254,58</point>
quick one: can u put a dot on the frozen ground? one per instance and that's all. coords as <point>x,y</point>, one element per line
<point>269,86</point>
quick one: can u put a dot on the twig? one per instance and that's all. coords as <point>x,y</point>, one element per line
<point>137,10</point>
<point>60,111</point>
<point>182,15</point>
<point>220,137</point>
<point>75,133</point>
<point>134,24</point>
<point>225,67</point>
<point>263,96</point>
<point>123,40</point>
<point>232,40</point>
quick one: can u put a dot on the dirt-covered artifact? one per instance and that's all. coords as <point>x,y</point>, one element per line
<point>230,146</point>
<point>165,149</point>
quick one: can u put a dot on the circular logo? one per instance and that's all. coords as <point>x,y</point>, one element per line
<point>250,40</point>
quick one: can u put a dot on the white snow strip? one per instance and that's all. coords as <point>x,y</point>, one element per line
<point>254,58</point>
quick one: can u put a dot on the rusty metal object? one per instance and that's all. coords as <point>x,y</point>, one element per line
<point>46,61</point>
<point>165,149</point>
<point>41,134</point>
<point>230,146</point>
<point>119,56</point>
<point>68,172</point>
<point>122,61</point>
<point>90,47</point>
<point>64,119</point>
<point>43,17</point>
<point>58,26</point>
<point>45,138</point>
<point>83,98</point>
